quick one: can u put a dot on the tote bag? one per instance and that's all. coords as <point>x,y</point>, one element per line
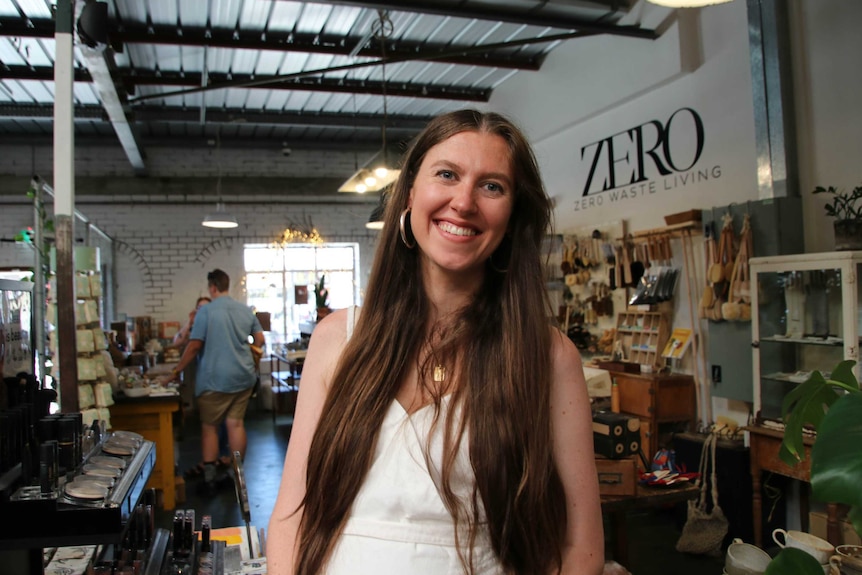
<point>704,531</point>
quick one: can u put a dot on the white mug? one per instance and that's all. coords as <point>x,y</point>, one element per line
<point>818,548</point>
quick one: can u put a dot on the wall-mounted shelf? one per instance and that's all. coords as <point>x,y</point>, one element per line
<point>642,336</point>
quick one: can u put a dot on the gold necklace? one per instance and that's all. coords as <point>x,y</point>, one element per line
<point>439,373</point>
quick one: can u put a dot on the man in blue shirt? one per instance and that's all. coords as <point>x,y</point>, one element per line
<point>226,370</point>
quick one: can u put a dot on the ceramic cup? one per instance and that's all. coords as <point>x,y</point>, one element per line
<point>847,560</point>
<point>818,548</point>
<point>745,559</point>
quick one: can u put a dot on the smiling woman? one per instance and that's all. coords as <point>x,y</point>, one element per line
<point>450,414</point>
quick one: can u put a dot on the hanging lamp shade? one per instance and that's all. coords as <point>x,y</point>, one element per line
<point>379,172</point>
<point>374,175</point>
<point>687,3</point>
<point>219,219</point>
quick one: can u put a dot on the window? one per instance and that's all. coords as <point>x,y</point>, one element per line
<point>274,273</point>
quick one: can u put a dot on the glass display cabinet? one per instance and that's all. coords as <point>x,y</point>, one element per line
<point>805,317</point>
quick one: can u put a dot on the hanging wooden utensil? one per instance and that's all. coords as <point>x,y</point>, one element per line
<point>627,266</point>
<point>716,269</point>
<point>708,295</point>
<point>729,256</point>
<point>638,266</point>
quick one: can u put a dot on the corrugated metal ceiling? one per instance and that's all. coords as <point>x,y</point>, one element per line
<point>287,70</point>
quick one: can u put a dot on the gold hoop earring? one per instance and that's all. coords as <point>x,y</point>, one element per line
<point>403,222</point>
<point>495,268</point>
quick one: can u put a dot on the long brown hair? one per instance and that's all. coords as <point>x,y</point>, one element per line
<point>502,342</point>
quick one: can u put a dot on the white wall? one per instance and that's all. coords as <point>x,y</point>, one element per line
<point>828,92</point>
<point>611,85</point>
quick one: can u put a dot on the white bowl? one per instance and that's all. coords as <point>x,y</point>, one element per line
<point>136,391</point>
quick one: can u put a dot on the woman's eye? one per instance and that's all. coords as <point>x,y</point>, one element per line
<point>494,187</point>
<point>446,174</point>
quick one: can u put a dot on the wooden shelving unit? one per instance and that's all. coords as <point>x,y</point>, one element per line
<point>643,335</point>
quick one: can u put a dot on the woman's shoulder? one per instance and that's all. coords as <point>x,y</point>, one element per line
<point>336,328</point>
<point>324,349</point>
<point>565,357</point>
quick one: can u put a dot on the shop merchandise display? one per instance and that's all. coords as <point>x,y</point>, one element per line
<point>69,484</point>
<point>95,365</point>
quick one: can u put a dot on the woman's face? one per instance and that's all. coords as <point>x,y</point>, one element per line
<point>461,201</point>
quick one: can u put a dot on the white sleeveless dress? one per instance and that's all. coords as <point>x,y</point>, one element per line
<point>398,523</point>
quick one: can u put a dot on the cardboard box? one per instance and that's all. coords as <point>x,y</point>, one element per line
<point>817,526</point>
<point>617,476</point>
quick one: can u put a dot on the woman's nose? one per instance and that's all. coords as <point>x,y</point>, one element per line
<point>463,199</point>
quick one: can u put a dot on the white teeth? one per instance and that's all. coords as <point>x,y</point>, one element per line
<point>455,230</point>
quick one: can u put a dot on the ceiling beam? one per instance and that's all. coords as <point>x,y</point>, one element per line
<point>9,110</point>
<point>100,64</point>
<point>307,43</point>
<point>298,119</point>
<point>131,33</point>
<point>320,72</point>
<point>39,73</point>
<point>233,116</point>
<point>497,12</point>
<point>369,144</point>
<point>311,84</point>
<point>131,79</point>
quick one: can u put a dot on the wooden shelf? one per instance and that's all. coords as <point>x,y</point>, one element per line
<point>642,335</point>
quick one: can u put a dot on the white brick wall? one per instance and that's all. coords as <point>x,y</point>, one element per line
<point>98,161</point>
<point>163,253</point>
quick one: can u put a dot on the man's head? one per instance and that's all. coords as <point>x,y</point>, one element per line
<point>218,282</point>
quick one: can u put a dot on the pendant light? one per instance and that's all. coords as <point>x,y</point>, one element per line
<point>687,3</point>
<point>378,172</point>
<point>220,219</point>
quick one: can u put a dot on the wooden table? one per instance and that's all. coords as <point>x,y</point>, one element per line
<point>152,417</point>
<point>616,507</point>
<point>765,445</point>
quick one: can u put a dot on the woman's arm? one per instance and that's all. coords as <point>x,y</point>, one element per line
<point>181,338</point>
<point>572,428</point>
<point>324,349</point>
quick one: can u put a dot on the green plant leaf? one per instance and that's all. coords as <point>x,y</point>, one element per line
<point>792,561</point>
<point>843,373</point>
<point>836,458</point>
<point>805,404</point>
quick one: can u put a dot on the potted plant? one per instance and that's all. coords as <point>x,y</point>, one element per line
<point>321,298</point>
<point>833,407</point>
<point>848,216</point>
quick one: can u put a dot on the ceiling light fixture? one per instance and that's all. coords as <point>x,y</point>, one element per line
<point>687,3</point>
<point>220,219</point>
<point>378,172</point>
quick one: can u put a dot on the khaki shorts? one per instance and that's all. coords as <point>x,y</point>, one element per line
<point>215,406</point>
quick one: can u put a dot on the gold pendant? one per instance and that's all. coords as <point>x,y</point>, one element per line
<point>439,373</point>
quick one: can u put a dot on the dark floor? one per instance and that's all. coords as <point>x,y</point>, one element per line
<point>652,535</point>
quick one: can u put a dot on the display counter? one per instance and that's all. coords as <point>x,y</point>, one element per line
<point>152,417</point>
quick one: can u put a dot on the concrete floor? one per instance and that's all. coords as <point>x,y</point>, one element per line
<point>652,535</point>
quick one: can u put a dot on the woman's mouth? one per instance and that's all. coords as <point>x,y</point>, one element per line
<point>451,228</point>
